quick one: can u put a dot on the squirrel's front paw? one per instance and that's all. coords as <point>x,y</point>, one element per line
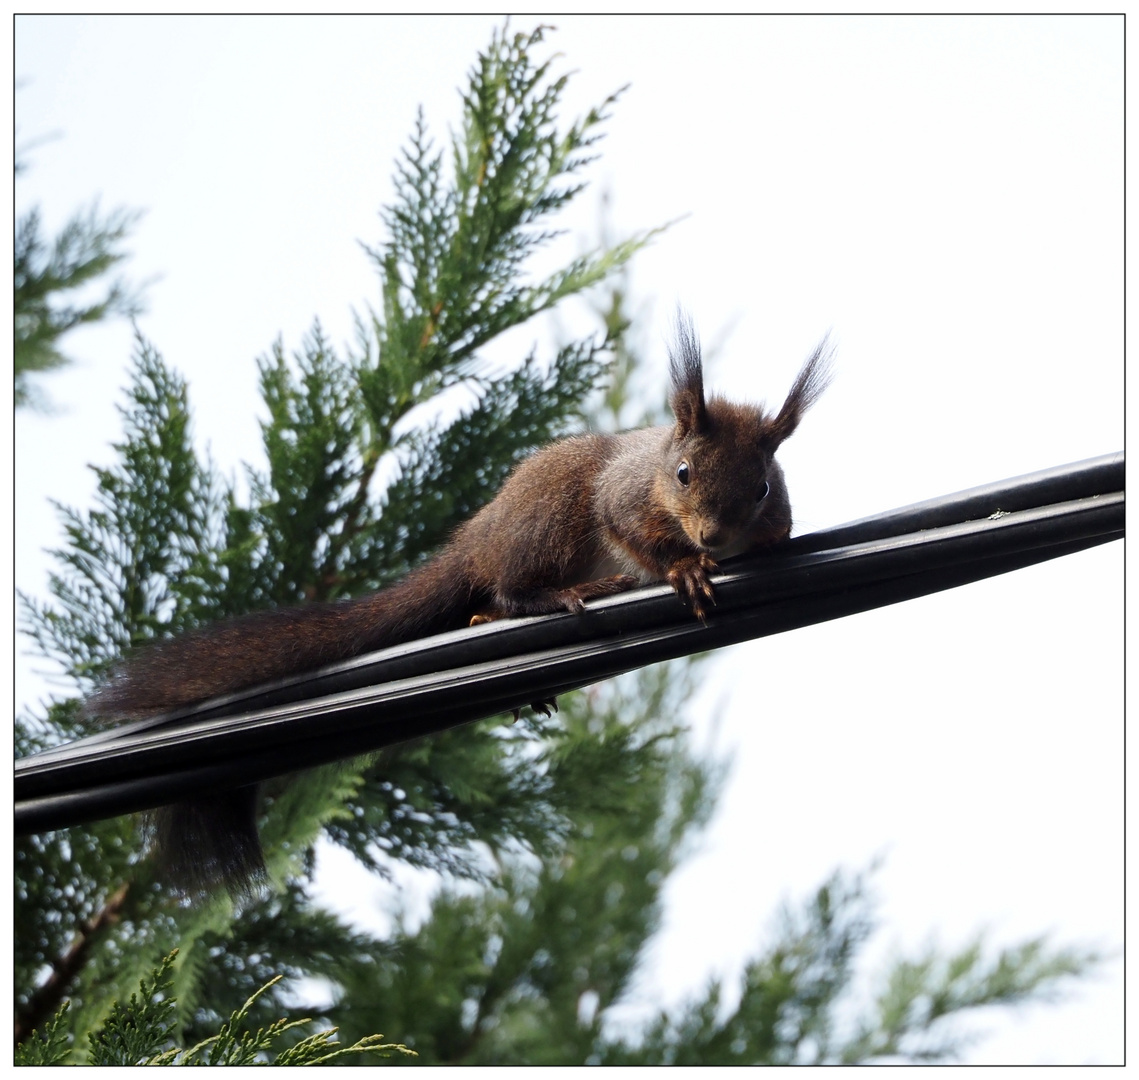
<point>576,595</point>
<point>689,577</point>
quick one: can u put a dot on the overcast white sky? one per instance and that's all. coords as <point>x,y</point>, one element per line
<point>945,193</point>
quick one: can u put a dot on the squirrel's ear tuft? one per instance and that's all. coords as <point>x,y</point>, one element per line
<point>687,371</point>
<point>813,378</point>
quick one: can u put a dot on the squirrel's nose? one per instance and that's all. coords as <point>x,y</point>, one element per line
<point>712,535</point>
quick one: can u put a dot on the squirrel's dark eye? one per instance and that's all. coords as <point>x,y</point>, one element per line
<point>763,492</point>
<point>682,473</point>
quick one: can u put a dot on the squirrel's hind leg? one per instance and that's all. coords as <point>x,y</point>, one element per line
<point>547,601</point>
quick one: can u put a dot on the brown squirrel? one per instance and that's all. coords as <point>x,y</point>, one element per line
<point>585,517</point>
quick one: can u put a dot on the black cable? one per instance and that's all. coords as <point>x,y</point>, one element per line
<point>425,686</point>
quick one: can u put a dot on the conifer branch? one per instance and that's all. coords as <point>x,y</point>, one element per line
<point>46,1000</point>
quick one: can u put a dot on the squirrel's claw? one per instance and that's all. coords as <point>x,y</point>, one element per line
<point>542,707</point>
<point>689,578</point>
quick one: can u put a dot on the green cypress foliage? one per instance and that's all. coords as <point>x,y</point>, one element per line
<point>554,835</point>
<point>85,251</point>
<point>141,1033</point>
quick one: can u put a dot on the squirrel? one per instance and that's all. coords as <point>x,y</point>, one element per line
<point>587,516</point>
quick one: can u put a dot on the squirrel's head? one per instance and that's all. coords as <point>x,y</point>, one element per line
<point>723,483</point>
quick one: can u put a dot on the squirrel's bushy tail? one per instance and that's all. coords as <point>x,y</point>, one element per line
<point>228,656</point>
<point>209,841</point>
<point>212,840</point>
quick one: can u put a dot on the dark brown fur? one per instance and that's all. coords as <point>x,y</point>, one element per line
<point>584,517</point>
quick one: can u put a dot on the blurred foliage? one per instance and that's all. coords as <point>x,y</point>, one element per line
<point>61,284</point>
<point>141,1032</point>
